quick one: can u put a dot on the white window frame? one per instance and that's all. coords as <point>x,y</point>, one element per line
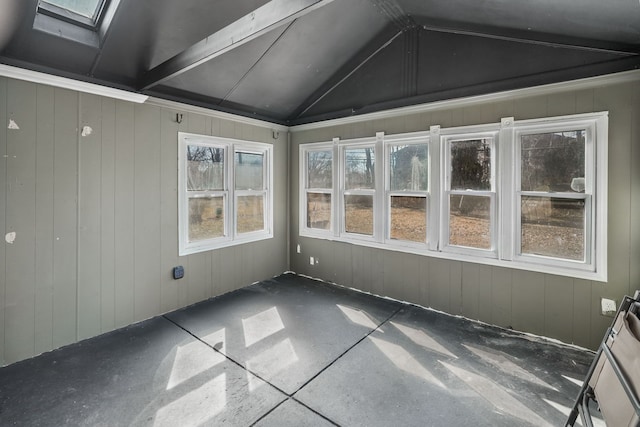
<point>231,237</point>
<point>416,138</point>
<point>376,145</point>
<point>505,195</point>
<point>305,190</point>
<point>459,134</point>
<point>593,196</point>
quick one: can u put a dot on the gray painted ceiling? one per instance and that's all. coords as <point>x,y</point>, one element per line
<point>298,61</point>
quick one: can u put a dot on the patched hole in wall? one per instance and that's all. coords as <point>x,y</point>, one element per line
<point>10,237</point>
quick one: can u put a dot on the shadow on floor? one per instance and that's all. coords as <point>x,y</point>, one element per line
<point>293,351</point>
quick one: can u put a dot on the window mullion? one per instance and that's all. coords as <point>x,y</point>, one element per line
<point>445,177</point>
<point>507,199</point>
<point>303,165</point>
<point>337,202</point>
<point>434,200</point>
<point>230,222</point>
<point>379,220</point>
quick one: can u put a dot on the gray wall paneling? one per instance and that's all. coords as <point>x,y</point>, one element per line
<point>107,214</point>
<point>96,217</point>
<point>44,245</point>
<point>124,205</point>
<point>559,307</point>
<point>528,293</point>
<point>634,278</point>
<point>65,217</point>
<point>169,288</point>
<point>4,121</point>
<point>558,304</point>
<point>89,219</point>
<point>21,212</point>
<point>618,98</point>
<point>147,215</point>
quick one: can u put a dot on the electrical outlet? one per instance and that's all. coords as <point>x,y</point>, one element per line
<point>608,307</point>
<point>311,260</point>
<point>298,248</point>
<point>317,260</point>
<point>178,272</point>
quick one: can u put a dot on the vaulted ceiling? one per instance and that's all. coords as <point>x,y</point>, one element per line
<point>299,61</point>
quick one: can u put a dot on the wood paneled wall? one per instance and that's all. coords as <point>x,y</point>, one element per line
<point>558,307</point>
<point>96,217</point>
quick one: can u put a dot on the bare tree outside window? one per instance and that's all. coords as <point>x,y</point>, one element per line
<point>552,165</point>
<point>359,168</point>
<point>224,192</point>
<point>319,169</point>
<point>470,202</point>
<point>359,172</point>
<point>249,185</point>
<point>320,179</point>
<point>205,173</point>
<point>408,185</point>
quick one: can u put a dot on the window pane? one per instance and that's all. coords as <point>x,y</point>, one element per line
<point>359,168</point>
<point>553,227</point>
<point>250,213</point>
<point>471,165</point>
<point>553,161</point>
<point>469,221</point>
<point>409,167</point>
<point>249,171</point>
<point>319,169</point>
<point>408,218</point>
<point>205,168</point>
<point>86,8</point>
<point>359,214</point>
<point>319,211</point>
<point>206,218</point>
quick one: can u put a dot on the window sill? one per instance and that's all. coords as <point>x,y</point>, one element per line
<point>204,247</point>
<point>599,276</point>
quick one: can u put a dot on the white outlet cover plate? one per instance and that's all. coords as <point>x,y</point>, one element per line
<point>608,305</point>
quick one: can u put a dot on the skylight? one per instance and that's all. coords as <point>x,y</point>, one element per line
<point>85,12</point>
<point>81,21</point>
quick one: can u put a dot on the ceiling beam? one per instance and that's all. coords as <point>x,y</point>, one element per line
<point>267,17</point>
<point>528,36</point>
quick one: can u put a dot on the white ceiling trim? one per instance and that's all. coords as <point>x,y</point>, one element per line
<point>66,83</point>
<point>138,98</point>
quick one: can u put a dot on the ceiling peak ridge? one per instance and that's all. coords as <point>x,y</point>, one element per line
<point>392,10</point>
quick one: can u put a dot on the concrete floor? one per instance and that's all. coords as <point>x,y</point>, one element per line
<point>292,351</point>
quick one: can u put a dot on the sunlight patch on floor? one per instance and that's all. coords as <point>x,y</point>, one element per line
<point>192,360</point>
<point>358,317</point>
<point>497,396</point>
<point>271,362</point>
<point>402,359</point>
<point>573,380</point>
<point>216,339</point>
<point>507,366</point>
<point>197,407</point>
<point>421,338</point>
<point>261,326</point>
